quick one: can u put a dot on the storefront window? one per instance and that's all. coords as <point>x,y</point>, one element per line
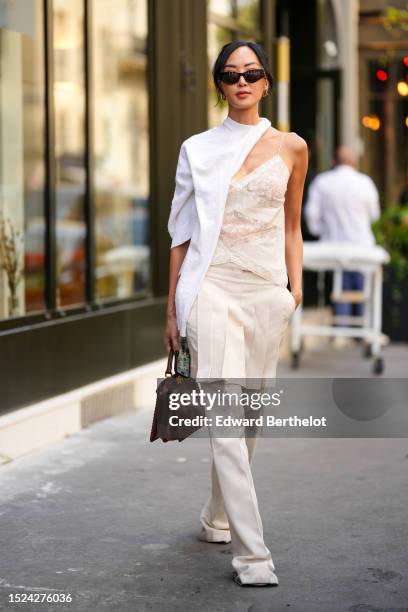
<point>69,107</point>
<point>22,168</point>
<point>121,150</point>
<point>228,20</point>
<point>248,14</point>
<point>384,122</point>
<point>221,7</point>
<point>383,97</point>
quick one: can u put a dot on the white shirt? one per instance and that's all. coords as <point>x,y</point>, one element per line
<point>207,162</point>
<point>341,206</point>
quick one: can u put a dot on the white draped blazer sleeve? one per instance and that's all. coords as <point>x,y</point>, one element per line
<point>206,163</point>
<point>182,213</point>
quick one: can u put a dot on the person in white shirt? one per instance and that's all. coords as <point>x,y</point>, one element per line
<point>341,205</point>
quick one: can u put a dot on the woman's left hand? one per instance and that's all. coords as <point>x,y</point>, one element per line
<point>297,295</point>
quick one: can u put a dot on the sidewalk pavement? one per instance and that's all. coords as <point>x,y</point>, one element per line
<point>113,520</point>
<point>342,357</point>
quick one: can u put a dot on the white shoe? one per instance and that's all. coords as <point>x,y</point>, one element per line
<point>223,539</point>
<point>273,582</point>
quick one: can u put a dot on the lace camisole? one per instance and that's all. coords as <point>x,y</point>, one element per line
<point>253,228</point>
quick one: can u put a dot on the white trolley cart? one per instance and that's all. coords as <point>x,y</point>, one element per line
<point>336,257</point>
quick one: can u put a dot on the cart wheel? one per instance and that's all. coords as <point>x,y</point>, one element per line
<point>378,365</point>
<point>367,352</point>
<point>295,360</point>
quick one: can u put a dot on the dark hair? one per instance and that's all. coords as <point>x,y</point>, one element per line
<point>226,52</point>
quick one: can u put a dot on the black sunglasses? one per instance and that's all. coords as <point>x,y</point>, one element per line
<point>251,76</point>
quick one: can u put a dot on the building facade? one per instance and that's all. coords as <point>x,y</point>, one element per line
<point>94,104</point>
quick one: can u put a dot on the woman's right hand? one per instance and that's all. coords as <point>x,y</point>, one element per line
<point>171,335</point>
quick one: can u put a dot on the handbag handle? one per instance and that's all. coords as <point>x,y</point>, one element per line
<point>168,371</point>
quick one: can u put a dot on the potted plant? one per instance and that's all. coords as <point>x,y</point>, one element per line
<point>10,261</point>
<point>391,232</point>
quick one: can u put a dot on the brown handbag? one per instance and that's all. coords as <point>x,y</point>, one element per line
<point>175,383</point>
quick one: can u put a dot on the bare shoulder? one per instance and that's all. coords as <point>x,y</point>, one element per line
<point>296,144</point>
<point>299,154</point>
<point>295,152</point>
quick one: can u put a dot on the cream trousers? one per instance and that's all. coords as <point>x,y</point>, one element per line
<point>254,315</point>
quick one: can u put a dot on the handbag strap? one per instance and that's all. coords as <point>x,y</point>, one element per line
<point>169,363</point>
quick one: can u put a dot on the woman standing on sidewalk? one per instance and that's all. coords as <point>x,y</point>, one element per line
<point>235,229</point>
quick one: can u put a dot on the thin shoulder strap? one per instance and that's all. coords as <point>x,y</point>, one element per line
<point>281,143</point>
